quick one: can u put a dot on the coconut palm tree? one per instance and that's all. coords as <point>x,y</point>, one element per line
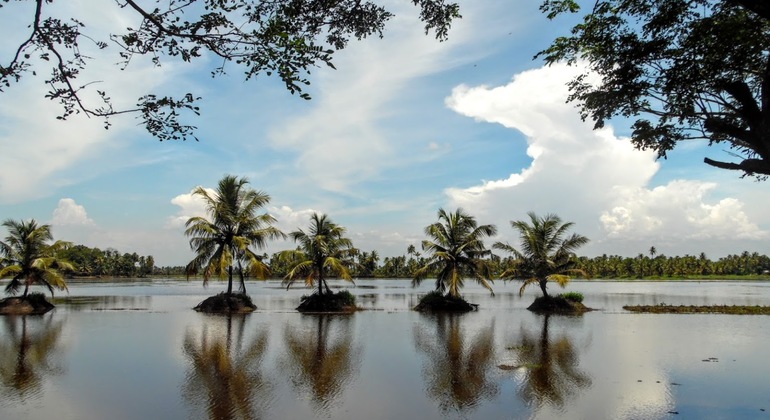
<point>225,237</point>
<point>322,251</point>
<point>29,259</point>
<point>456,251</point>
<point>546,253</point>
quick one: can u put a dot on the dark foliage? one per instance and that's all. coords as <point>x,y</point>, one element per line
<point>557,305</point>
<point>342,301</point>
<point>681,70</point>
<point>436,301</point>
<point>227,303</point>
<point>281,38</point>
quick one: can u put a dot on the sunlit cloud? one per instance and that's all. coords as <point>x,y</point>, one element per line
<point>591,177</point>
<point>70,213</point>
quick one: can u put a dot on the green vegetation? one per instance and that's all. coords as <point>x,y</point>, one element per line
<point>662,308</point>
<point>546,255</point>
<point>224,239</point>
<point>436,301</point>
<point>323,251</point>
<point>573,296</point>
<point>557,305</point>
<point>342,301</point>
<point>694,70</point>
<point>456,251</point>
<point>93,262</point>
<point>732,267</point>
<point>28,259</point>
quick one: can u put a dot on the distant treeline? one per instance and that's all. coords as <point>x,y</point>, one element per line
<point>369,265</point>
<point>615,266</point>
<point>94,262</point>
<point>110,262</point>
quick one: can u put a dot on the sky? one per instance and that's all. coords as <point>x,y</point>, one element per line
<point>404,126</point>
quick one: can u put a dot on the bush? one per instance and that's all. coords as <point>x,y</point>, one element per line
<point>36,298</point>
<point>342,301</point>
<point>573,296</point>
<point>227,303</point>
<point>435,301</point>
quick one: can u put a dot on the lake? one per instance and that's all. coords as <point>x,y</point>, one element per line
<point>136,350</point>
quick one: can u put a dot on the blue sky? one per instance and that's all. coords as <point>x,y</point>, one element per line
<point>404,126</point>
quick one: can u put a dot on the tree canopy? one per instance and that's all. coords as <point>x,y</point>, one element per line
<point>322,251</point>
<point>681,70</point>
<point>456,251</point>
<point>225,238</point>
<point>546,252</point>
<point>29,259</point>
<point>281,38</point>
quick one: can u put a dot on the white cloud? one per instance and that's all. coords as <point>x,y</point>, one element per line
<point>68,212</point>
<point>591,177</point>
<point>341,141</point>
<point>191,205</point>
<point>49,153</point>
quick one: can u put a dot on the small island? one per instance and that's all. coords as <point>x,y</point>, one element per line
<point>662,308</point>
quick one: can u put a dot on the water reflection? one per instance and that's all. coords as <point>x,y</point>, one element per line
<point>226,376</point>
<point>548,367</point>
<point>321,359</point>
<point>29,352</point>
<point>457,370</point>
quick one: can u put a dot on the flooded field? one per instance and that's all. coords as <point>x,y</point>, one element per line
<point>136,350</point>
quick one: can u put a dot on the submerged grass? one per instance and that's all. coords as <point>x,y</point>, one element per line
<point>695,309</point>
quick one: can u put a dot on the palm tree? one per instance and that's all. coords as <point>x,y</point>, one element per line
<point>232,227</point>
<point>547,254</point>
<point>457,251</point>
<point>321,252</point>
<point>29,259</point>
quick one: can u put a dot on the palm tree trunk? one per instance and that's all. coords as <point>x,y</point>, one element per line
<point>242,287</point>
<point>26,289</point>
<point>543,284</point>
<point>229,279</point>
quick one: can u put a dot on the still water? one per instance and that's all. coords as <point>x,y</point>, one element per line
<point>137,351</point>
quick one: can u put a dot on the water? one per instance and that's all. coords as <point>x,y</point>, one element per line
<point>137,351</point>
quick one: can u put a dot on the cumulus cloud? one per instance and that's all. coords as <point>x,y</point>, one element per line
<point>591,177</point>
<point>190,205</point>
<point>68,212</point>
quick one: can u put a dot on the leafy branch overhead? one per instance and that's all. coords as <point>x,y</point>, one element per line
<point>694,70</point>
<point>274,38</point>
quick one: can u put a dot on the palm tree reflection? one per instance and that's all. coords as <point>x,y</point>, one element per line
<point>27,355</point>
<point>226,376</point>
<point>322,360</point>
<point>550,368</point>
<point>456,372</point>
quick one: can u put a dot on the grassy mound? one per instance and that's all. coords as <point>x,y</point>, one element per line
<point>694,309</point>
<point>32,304</point>
<point>223,303</point>
<point>437,302</point>
<point>342,301</point>
<point>557,305</point>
